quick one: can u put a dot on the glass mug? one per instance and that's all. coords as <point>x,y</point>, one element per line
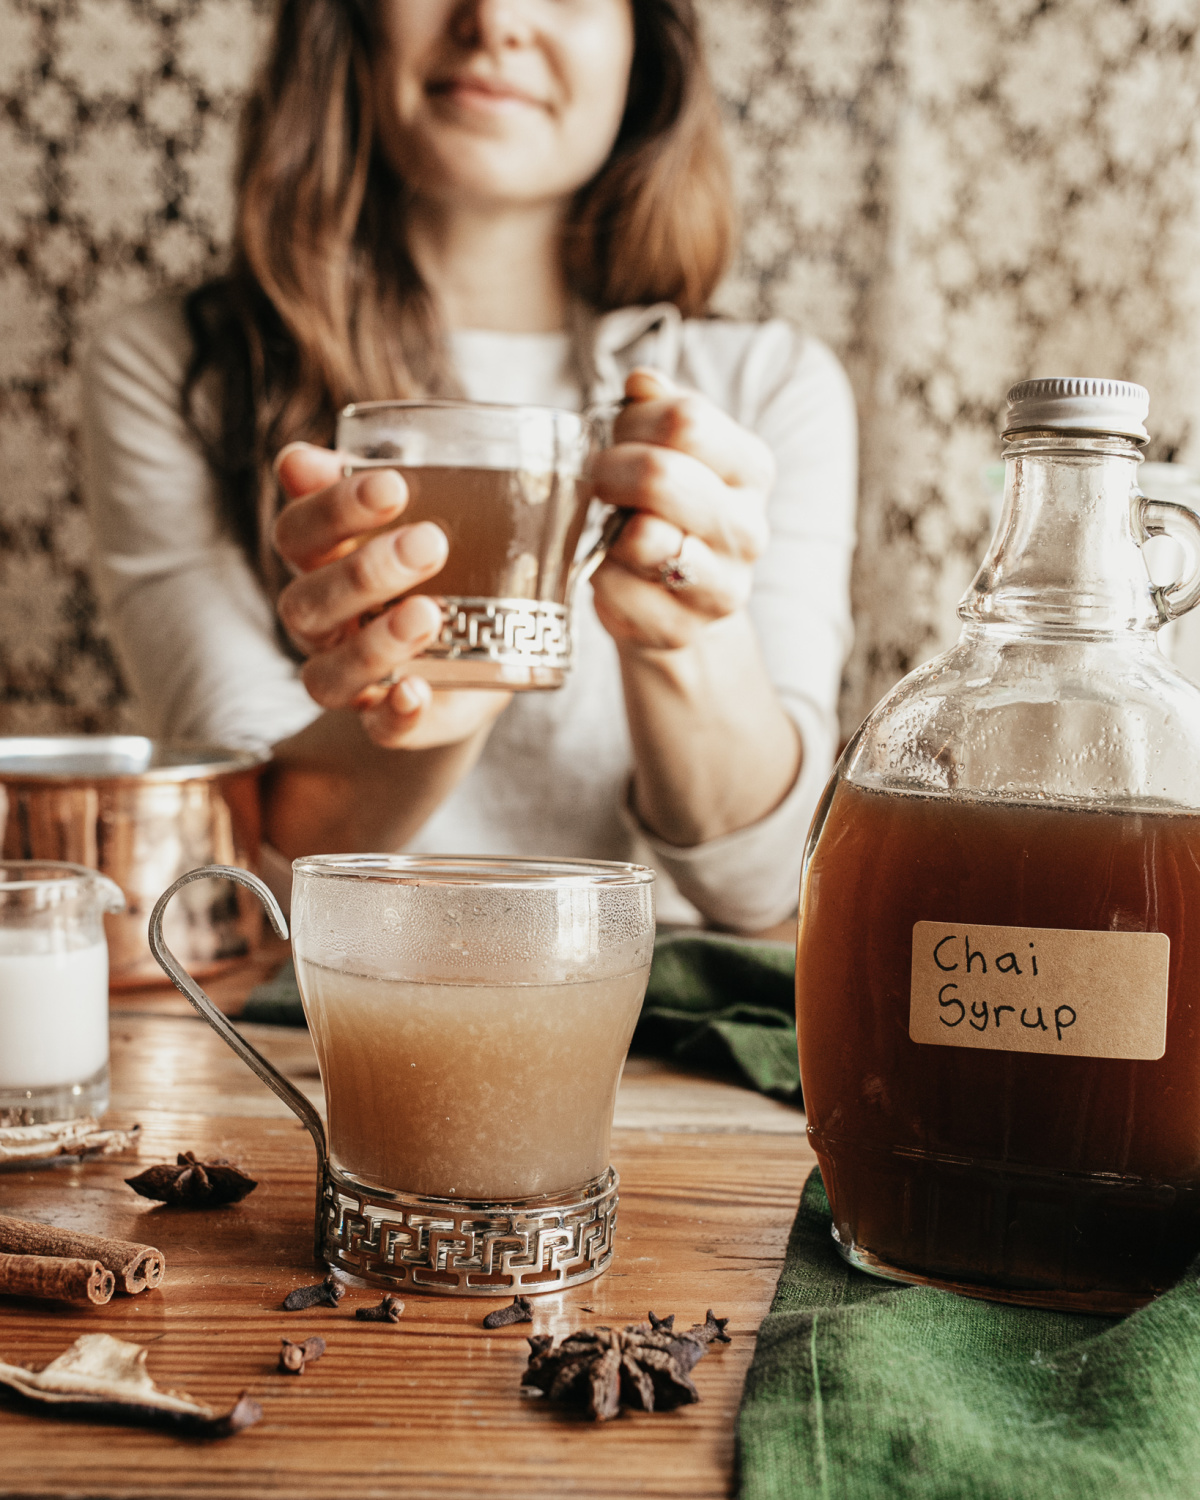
<point>508,485</point>
<point>471,1018</point>
<point>53,991</point>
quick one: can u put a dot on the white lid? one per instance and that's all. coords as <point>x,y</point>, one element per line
<point>1075,404</point>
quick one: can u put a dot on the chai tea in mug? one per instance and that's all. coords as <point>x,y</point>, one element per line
<point>471,1017</point>
<point>491,1091</point>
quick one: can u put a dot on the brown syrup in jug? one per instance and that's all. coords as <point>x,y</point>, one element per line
<point>1065,1180</point>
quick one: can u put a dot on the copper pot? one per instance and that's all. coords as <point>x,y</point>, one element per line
<point>143,813</point>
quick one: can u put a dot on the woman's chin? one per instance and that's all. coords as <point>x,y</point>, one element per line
<point>471,169</point>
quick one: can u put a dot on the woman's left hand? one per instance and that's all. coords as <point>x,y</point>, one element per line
<point>697,485</point>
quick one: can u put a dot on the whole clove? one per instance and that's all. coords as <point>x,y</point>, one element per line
<point>56,1278</point>
<point>519,1310</point>
<point>666,1324</point>
<point>327,1293</point>
<point>194,1183</point>
<point>642,1367</point>
<point>294,1357</point>
<point>135,1267</point>
<point>388,1311</point>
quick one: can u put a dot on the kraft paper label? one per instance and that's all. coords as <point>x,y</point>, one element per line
<point>1040,989</point>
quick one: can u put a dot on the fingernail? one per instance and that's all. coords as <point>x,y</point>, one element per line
<point>283,453</point>
<point>381,490</point>
<point>648,372</point>
<point>418,618</point>
<point>412,699</point>
<point>422,545</point>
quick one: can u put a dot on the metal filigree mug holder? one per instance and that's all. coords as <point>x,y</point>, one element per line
<point>467,1249</point>
<point>449,1246</point>
<point>511,643</point>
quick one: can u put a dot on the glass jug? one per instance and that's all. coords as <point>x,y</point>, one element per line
<point>998,971</point>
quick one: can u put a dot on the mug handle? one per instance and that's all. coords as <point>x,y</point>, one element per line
<point>614,524</point>
<point>1174,599</point>
<point>221,1023</point>
<point>599,418</point>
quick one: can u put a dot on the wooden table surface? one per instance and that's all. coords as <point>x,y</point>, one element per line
<point>710,1177</point>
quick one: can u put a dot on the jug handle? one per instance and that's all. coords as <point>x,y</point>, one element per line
<point>1174,599</point>
<point>220,1022</point>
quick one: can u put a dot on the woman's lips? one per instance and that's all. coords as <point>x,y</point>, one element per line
<point>483,93</point>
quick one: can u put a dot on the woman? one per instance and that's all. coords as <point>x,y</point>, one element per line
<point>516,200</point>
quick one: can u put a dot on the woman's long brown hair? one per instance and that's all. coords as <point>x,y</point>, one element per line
<point>322,303</point>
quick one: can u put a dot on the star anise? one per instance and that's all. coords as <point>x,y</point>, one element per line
<point>643,1366</point>
<point>193,1182</point>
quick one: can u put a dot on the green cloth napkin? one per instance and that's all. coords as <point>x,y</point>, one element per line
<point>276,1002</point>
<point>713,1002</point>
<point>725,1004</point>
<point>862,1390</point>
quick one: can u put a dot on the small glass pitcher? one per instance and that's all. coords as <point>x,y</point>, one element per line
<point>53,991</point>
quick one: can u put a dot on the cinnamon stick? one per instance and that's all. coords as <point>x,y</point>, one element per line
<point>134,1266</point>
<point>51,1276</point>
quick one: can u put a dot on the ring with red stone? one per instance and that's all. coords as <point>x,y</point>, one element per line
<point>678,572</point>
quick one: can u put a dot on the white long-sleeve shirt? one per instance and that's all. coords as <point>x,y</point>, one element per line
<point>193,628</point>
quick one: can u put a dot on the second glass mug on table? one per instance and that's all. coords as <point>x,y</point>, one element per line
<point>509,487</point>
<point>471,1018</point>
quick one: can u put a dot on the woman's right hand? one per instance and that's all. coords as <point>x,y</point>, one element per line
<point>340,578</point>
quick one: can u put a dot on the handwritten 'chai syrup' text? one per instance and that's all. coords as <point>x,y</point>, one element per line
<point>1040,989</point>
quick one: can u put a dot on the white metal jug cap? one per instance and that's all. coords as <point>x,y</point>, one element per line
<point>1075,404</point>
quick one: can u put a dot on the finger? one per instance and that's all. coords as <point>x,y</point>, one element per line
<point>680,489</point>
<point>353,673</point>
<point>317,607</point>
<point>446,718</point>
<point>645,541</point>
<point>303,467</point>
<point>320,527</point>
<point>632,609</point>
<point>396,718</point>
<point>718,584</point>
<point>658,412</point>
<point>409,697</point>
<point>645,383</point>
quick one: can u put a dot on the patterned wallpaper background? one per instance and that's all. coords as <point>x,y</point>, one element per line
<point>955,194</point>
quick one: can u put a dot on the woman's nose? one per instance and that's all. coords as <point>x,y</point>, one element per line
<point>492,25</point>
